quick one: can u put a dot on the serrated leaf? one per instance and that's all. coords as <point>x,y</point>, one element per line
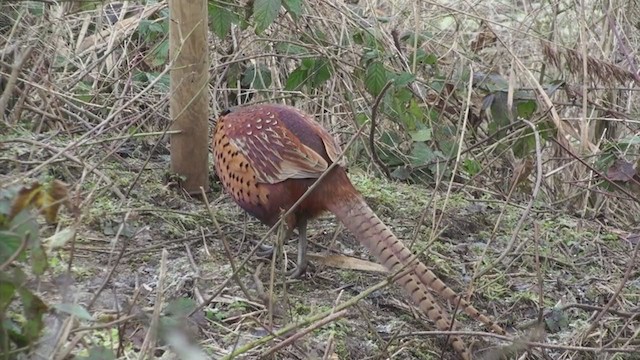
<point>264,13</point>
<point>74,309</point>
<point>375,78</point>
<point>220,19</point>
<point>294,7</point>
<point>296,79</point>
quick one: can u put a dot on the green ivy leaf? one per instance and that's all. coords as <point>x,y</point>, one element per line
<point>375,78</point>
<point>264,12</point>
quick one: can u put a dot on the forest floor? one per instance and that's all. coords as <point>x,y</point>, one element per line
<point>567,266</point>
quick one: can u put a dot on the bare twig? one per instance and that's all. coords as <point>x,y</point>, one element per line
<point>372,132</point>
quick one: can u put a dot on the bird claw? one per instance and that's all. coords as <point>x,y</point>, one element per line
<point>265,251</point>
<point>297,271</point>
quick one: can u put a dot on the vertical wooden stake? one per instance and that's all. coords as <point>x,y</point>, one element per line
<point>189,94</point>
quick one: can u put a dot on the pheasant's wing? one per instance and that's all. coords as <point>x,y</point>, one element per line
<point>274,152</point>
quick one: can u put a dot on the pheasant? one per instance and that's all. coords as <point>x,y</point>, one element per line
<point>267,156</point>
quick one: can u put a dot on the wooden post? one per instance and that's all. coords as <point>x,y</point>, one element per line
<point>189,94</point>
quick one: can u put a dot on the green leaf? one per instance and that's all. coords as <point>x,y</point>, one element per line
<point>7,290</point>
<point>294,7</point>
<point>99,353</point>
<point>321,72</point>
<point>423,134</point>
<point>471,167</point>
<point>83,91</point>
<point>180,307</point>
<point>264,12</point>
<point>421,154</point>
<point>74,309</point>
<point>525,109</point>
<point>24,224</point>
<point>258,78</point>
<point>499,114</point>
<point>220,19</point>
<point>361,118</point>
<point>9,244</point>
<point>34,310</point>
<point>524,144</point>
<point>291,49</point>
<point>403,79</point>
<point>160,53</point>
<point>296,79</point>
<point>401,173</point>
<point>38,258</point>
<point>375,78</point>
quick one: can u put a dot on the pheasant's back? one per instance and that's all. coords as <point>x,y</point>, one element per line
<point>266,157</point>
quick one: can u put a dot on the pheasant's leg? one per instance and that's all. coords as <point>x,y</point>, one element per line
<point>301,265</point>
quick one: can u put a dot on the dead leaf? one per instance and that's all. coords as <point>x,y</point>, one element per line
<point>621,170</point>
<point>46,198</point>
<point>347,263</point>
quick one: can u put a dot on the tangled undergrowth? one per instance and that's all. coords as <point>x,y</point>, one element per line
<point>529,210</point>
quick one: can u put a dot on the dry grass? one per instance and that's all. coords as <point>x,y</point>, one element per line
<point>542,236</point>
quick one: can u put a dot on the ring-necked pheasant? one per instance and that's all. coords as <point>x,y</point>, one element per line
<point>267,156</point>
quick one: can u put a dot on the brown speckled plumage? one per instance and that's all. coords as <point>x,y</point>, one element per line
<point>267,156</point>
